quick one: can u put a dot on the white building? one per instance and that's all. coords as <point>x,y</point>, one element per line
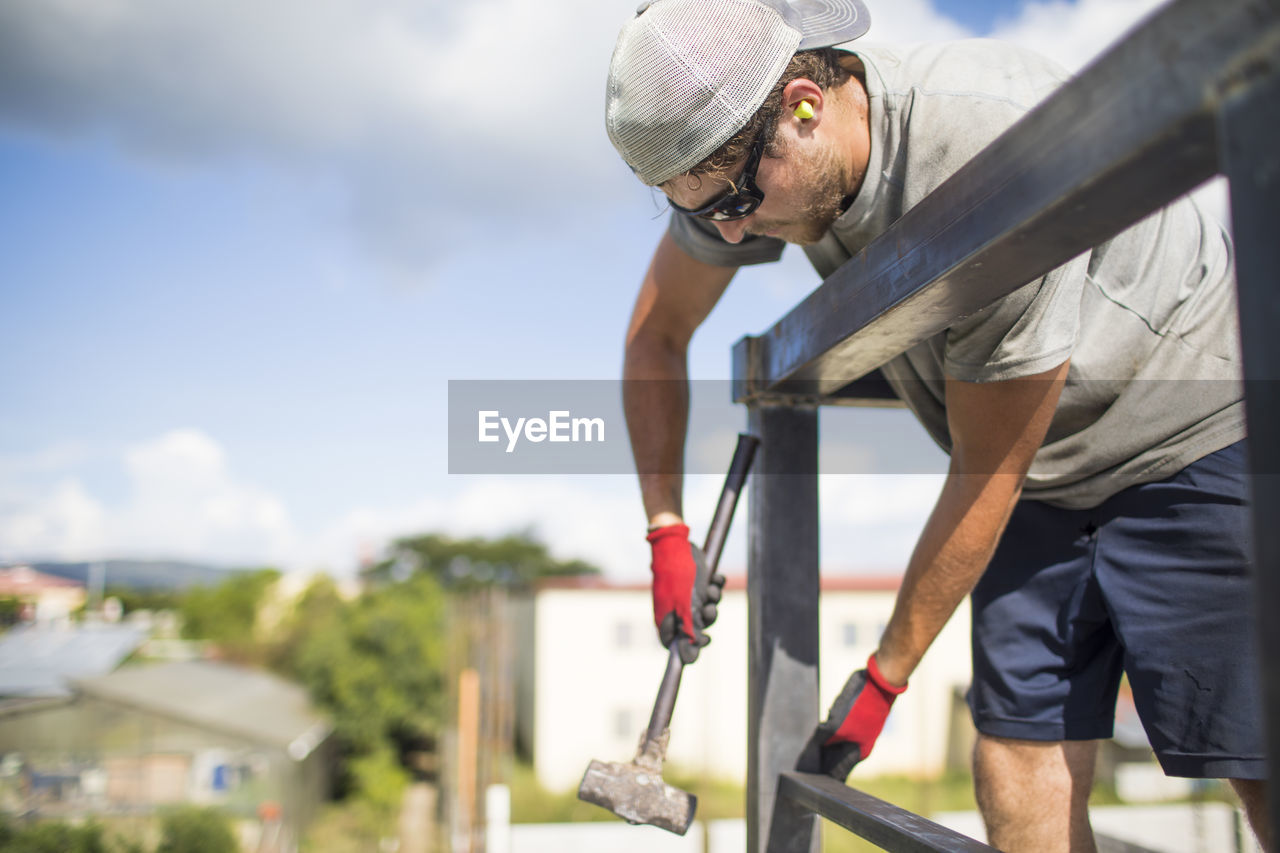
<point>590,663</point>
<point>44,598</point>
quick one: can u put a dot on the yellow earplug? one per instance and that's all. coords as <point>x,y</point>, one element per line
<point>804,110</point>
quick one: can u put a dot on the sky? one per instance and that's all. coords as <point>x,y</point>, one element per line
<point>245,247</point>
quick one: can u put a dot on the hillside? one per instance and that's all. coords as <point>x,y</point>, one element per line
<point>142,574</point>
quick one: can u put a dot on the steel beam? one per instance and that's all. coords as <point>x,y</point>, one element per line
<point>871,391</point>
<point>881,823</point>
<point>1251,157</point>
<point>1135,130</point>
<point>782,602</point>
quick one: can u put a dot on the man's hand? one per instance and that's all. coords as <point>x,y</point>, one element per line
<point>855,720</point>
<point>680,607</point>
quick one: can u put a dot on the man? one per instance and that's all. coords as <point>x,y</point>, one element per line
<point>1094,506</point>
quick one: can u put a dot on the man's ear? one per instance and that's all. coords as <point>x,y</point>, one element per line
<point>802,101</point>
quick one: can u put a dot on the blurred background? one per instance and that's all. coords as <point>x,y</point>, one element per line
<point>244,247</point>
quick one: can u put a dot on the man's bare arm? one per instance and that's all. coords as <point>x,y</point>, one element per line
<point>996,429</point>
<point>677,295</point>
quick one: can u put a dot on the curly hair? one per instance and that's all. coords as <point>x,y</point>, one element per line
<point>821,65</point>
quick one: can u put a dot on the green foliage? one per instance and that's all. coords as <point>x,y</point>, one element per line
<point>10,609</point>
<point>52,837</point>
<point>717,799</point>
<point>376,663</point>
<point>381,782</point>
<point>514,560</point>
<point>344,828</point>
<point>227,614</point>
<point>145,599</point>
<point>531,803</point>
<point>196,830</point>
<point>950,792</point>
<point>318,612</point>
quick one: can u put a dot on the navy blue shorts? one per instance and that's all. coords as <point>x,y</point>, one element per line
<point>1155,583</point>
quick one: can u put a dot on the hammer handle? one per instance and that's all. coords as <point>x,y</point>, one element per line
<point>743,455</point>
<point>666,701</point>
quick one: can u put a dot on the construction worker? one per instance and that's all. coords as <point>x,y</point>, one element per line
<point>1094,509</point>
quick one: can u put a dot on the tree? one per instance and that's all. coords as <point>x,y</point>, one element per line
<point>58,837</point>
<point>513,560</point>
<point>145,599</point>
<point>10,610</point>
<point>196,830</point>
<point>375,663</point>
<point>227,614</point>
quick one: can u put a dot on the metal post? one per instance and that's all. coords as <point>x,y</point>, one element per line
<point>782,593</point>
<point>1249,128</point>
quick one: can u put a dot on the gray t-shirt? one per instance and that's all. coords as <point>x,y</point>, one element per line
<point>1148,319</point>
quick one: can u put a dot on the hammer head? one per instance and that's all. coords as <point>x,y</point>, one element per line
<point>637,794</point>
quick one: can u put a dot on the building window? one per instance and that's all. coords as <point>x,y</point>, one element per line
<point>622,724</point>
<point>622,635</point>
<point>851,634</point>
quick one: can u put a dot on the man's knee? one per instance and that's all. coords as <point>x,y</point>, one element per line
<point>1253,797</point>
<point>1034,795</point>
<point>1018,775</point>
<point>1072,759</point>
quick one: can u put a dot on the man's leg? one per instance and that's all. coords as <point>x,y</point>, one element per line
<point>1174,566</point>
<point>1034,795</point>
<point>1046,671</point>
<point>1253,796</point>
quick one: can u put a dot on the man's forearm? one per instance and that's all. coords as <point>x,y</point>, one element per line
<point>996,429</point>
<point>655,397</point>
<point>954,549</point>
<point>677,294</point>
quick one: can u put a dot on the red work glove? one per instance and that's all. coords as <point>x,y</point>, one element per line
<point>680,608</point>
<point>855,720</point>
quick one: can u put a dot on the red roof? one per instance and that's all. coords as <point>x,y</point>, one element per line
<point>830,583</point>
<point>24,580</point>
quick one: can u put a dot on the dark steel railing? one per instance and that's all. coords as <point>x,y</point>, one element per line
<point>1192,92</point>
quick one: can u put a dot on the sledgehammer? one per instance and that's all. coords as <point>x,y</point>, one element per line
<point>636,792</point>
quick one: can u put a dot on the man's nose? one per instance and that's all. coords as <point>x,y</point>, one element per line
<point>732,231</point>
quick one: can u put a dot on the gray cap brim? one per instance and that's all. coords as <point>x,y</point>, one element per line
<point>828,22</point>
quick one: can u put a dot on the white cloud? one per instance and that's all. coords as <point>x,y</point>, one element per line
<point>424,114</point>
<point>432,118</point>
<point>872,500</point>
<point>183,501</point>
<point>63,520</point>
<point>55,457</point>
<point>870,522</point>
<point>907,21</point>
<point>1073,33</point>
<point>597,519</point>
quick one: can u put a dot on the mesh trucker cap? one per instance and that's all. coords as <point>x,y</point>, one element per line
<point>687,75</point>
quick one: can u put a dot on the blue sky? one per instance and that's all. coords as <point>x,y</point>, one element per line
<point>243,250</point>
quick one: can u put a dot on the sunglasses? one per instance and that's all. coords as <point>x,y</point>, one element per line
<point>737,202</point>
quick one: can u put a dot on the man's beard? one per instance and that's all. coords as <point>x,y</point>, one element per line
<point>823,187</point>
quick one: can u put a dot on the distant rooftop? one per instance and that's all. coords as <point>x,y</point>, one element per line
<point>24,580</point>
<point>41,660</point>
<point>247,703</point>
<point>830,583</point>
